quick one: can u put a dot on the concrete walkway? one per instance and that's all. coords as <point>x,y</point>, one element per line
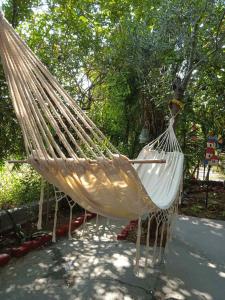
<point>98,267</point>
<point>195,264</point>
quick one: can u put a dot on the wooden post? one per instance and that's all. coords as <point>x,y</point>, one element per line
<point>197,173</point>
<point>203,172</point>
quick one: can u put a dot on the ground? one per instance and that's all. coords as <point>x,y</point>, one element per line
<point>194,204</point>
<point>194,199</point>
<point>97,266</point>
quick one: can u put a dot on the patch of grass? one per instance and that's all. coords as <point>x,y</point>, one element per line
<point>197,208</point>
<point>195,205</point>
<point>18,185</point>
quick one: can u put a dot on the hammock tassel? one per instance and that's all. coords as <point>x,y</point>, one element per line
<point>147,243</point>
<point>167,235</point>
<point>84,223</point>
<point>55,222</point>
<point>155,245</point>
<point>138,244</point>
<point>97,227</point>
<point>96,222</point>
<point>161,241</point>
<point>71,205</point>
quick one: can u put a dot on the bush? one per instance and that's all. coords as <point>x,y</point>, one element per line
<point>18,185</point>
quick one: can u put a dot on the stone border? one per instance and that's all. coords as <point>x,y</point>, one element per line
<point>23,214</point>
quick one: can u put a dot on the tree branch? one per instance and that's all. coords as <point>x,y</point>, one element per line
<point>219,27</point>
<point>193,48</point>
<point>193,67</point>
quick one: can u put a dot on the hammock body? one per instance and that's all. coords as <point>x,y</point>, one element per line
<point>60,139</point>
<point>108,187</point>
<point>162,182</point>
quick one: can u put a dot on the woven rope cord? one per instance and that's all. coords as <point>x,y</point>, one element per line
<point>52,123</point>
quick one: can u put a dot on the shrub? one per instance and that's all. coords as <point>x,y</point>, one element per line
<point>18,185</point>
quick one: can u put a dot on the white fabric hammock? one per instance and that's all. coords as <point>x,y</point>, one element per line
<point>162,181</point>
<point>61,143</point>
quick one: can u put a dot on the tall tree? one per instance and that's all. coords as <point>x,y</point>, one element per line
<point>124,61</point>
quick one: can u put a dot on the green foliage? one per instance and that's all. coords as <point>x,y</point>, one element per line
<point>17,11</point>
<point>18,185</point>
<point>196,209</point>
<point>10,133</point>
<point>119,60</point>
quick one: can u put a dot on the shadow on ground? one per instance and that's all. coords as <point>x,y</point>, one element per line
<point>195,264</point>
<point>91,267</point>
<point>96,266</point>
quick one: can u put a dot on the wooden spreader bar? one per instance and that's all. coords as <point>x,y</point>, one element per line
<point>147,161</point>
<point>132,161</point>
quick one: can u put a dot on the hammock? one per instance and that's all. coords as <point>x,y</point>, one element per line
<point>69,151</point>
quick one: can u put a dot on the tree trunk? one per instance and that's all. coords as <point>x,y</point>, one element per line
<point>14,14</point>
<point>178,96</point>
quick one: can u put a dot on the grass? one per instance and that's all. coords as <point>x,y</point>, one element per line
<point>18,185</point>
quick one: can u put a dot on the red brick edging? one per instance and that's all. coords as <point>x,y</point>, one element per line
<point>31,245</point>
<point>125,231</point>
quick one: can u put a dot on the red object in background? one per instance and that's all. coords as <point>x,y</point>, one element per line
<point>4,259</point>
<point>215,159</point>
<point>124,232</point>
<point>78,221</point>
<point>121,237</point>
<point>210,151</point>
<point>36,243</point>
<point>45,238</point>
<point>40,241</point>
<point>62,231</point>
<point>81,218</point>
<point>135,222</point>
<point>20,251</point>
<point>131,226</point>
<point>75,224</point>
<point>28,244</point>
<point>90,216</point>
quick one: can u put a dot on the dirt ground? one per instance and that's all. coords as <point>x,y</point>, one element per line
<point>194,200</point>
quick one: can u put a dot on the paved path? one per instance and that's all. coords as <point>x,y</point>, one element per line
<point>102,268</point>
<point>195,264</point>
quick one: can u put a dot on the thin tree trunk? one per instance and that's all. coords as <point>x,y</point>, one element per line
<point>14,13</point>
